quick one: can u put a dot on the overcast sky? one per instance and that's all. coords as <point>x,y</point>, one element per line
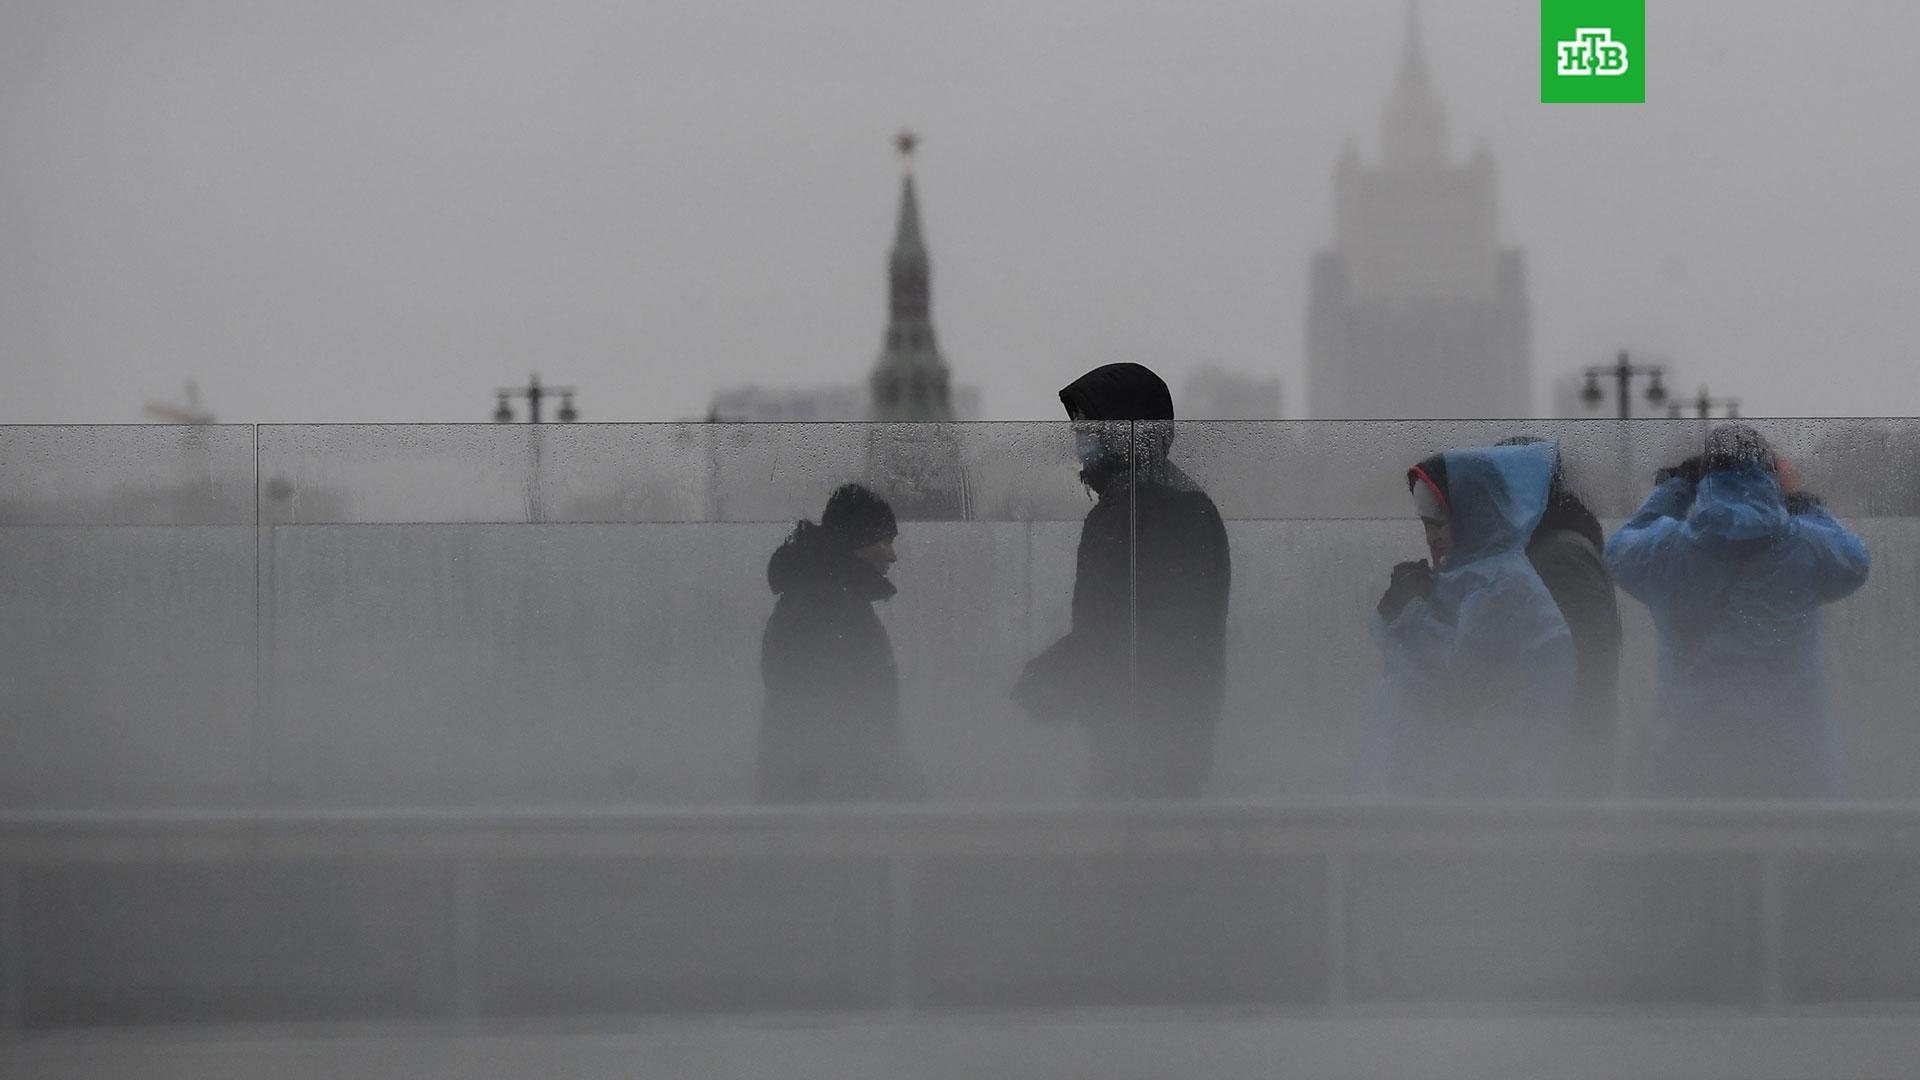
<point>381,210</point>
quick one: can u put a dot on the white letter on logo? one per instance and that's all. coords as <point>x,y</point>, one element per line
<point>1613,58</point>
<point>1571,58</point>
<point>1572,61</point>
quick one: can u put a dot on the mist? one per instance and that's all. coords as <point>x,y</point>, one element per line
<point>352,212</point>
<point>344,731</point>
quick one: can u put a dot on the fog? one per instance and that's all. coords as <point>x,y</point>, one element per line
<point>572,616</point>
<point>351,212</point>
<point>357,736</point>
<point>424,725</point>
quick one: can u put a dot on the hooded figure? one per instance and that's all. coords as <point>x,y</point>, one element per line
<point>1734,563</point>
<point>830,727</point>
<point>1478,661</point>
<point>1143,669</point>
<point>1566,551</point>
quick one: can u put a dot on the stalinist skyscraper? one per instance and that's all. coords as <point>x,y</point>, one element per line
<point>1417,310</point>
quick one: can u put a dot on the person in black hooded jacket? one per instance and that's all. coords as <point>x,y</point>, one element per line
<point>1143,669</point>
<point>830,727</point>
<point>1567,552</point>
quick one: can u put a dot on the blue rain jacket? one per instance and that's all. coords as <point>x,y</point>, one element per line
<point>1734,582</point>
<point>1478,677</point>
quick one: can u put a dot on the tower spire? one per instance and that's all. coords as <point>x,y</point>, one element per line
<point>907,241</point>
<point>910,381</point>
<point>919,469</point>
<point>1414,73</point>
<point>1413,129</point>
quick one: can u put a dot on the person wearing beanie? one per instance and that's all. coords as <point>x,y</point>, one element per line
<point>1142,671</point>
<point>1477,659</point>
<point>1734,560</point>
<point>830,729</point>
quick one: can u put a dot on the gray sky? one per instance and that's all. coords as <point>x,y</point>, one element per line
<point>369,210</point>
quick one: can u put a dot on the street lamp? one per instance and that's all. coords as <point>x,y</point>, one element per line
<point>1703,405</point>
<point>1623,374</point>
<point>535,393</point>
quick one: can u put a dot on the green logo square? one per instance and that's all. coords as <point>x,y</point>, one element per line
<point>1593,50</point>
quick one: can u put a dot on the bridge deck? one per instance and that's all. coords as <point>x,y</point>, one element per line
<point>1327,910</point>
<point>1109,1045</point>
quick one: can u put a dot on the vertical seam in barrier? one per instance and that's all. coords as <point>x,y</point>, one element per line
<point>899,932</point>
<point>1338,990</point>
<point>1026,582</point>
<point>1134,742</point>
<point>463,966</point>
<point>257,730</point>
<point>1772,929</point>
<point>13,967</point>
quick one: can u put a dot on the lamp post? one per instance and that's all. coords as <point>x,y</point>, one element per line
<point>535,394</point>
<point>1703,405</point>
<point>1623,373</point>
<point>503,414</point>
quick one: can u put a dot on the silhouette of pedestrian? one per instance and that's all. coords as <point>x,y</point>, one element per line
<point>1567,552</point>
<point>830,728</point>
<point>1143,669</point>
<point>1478,661</point>
<point>1734,561</point>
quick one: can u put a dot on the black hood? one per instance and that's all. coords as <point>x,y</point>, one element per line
<point>812,555</point>
<point>1119,392</point>
<point>1565,512</point>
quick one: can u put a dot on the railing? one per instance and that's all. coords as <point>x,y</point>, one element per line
<point>1308,909</point>
<point>490,615</point>
<point>537,648</point>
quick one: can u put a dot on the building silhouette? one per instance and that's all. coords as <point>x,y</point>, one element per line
<point>910,382</point>
<point>1417,310</point>
<point>841,402</point>
<point>915,460</point>
<point>1218,393</point>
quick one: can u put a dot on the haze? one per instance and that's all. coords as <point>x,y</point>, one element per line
<point>380,212</point>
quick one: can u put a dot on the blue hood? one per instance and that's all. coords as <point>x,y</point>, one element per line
<point>1738,504</point>
<point>1496,496</point>
<point>1477,677</point>
<point>1735,583</point>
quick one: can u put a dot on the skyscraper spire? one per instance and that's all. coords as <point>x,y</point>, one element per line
<point>1413,130</point>
<point>1413,58</point>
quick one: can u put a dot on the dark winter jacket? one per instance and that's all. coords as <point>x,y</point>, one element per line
<point>1734,575</point>
<point>1143,667</point>
<point>1566,551</point>
<point>829,729</point>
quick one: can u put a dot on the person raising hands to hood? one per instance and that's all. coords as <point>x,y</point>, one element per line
<point>1734,560</point>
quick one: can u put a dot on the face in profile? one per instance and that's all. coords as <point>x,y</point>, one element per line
<point>1086,437</point>
<point>1439,537</point>
<point>879,554</point>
